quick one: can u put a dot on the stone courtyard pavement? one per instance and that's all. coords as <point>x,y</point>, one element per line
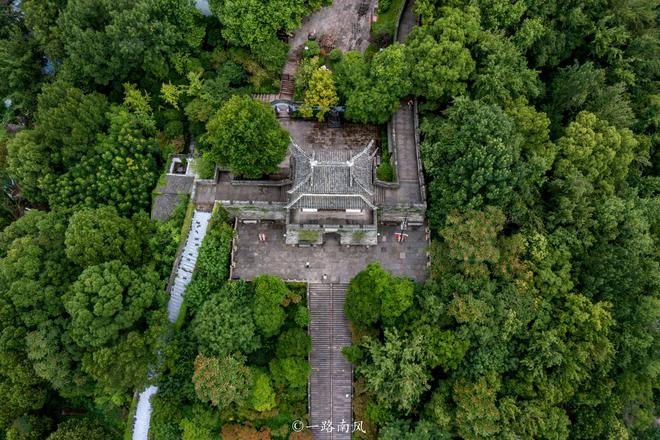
<point>339,263</point>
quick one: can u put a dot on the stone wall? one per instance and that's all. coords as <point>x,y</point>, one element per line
<point>245,210</point>
<point>414,214</point>
<point>353,235</point>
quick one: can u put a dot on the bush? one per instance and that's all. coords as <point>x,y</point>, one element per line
<point>269,292</point>
<point>385,172</point>
<point>293,342</point>
<point>212,268</point>
<point>311,49</point>
<point>353,354</point>
<point>335,55</point>
<point>293,372</point>
<point>301,316</point>
<point>263,396</point>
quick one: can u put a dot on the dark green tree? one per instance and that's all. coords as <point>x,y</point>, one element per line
<point>224,324</point>
<point>222,381</point>
<point>267,310</point>
<point>246,137</point>
<point>96,236</point>
<point>109,299</point>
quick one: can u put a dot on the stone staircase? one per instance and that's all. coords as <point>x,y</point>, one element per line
<point>266,97</point>
<point>182,277</point>
<point>288,86</point>
<point>187,261</point>
<point>330,384</point>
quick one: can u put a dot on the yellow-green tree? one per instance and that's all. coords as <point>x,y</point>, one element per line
<point>321,94</point>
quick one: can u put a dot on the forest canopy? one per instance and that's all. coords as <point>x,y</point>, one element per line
<point>539,140</point>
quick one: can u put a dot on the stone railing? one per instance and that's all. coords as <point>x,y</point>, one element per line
<point>418,154</point>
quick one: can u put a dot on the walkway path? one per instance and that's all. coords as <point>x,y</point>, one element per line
<point>409,191</point>
<point>331,380</point>
<point>183,275</point>
<point>186,264</point>
<point>408,21</point>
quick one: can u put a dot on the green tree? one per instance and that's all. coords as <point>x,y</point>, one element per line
<point>67,123</point>
<point>108,42</point>
<point>41,18</point>
<point>477,415</point>
<point>474,159</point>
<point>320,95</point>
<point>502,73</point>
<point>222,381</point>
<point>397,372</point>
<point>263,396</point>
<point>119,369</point>
<point>593,158</point>
<point>440,61</point>
<point>122,169</point>
<point>74,429</point>
<point>375,295</point>
<point>372,90</point>
<point>267,310</point>
<point>290,371</point>
<point>293,342</point>
<point>96,236</point>
<point>24,391</point>
<point>251,23</point>
<point>109,299</point>
<point>362,306</point>
<point>246,137</point>
<point>224,324</point>
<point>20,63</point>
<point>584,87</point>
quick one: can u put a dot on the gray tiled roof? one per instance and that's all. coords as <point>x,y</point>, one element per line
<point>332,179</point>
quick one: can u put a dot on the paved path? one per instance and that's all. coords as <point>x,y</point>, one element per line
<point>330,385</point>
<point>403,122</point>
<point>408,21</point>
<point>184,270</point>
<point>143,413</point>
<point>409,191</point>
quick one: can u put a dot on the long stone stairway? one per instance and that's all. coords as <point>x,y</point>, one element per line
<point>183,275</point>
<point>330,385</point>
<point>187,261</point>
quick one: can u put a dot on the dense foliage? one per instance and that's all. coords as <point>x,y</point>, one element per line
<point>246,138</point>
<point>537,320</point>
<point>242,349</point>
<point>540,134</point>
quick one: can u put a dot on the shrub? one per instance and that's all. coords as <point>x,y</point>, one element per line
<point>385,172</point>
<point>293,342</point>
<point>263,396</point>
<point>311,49</point>
<point>301,316</point>
<point>293,372</point>
<point>335,54</point>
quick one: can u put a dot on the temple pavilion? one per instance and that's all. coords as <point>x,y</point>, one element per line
<point>332,192</point>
